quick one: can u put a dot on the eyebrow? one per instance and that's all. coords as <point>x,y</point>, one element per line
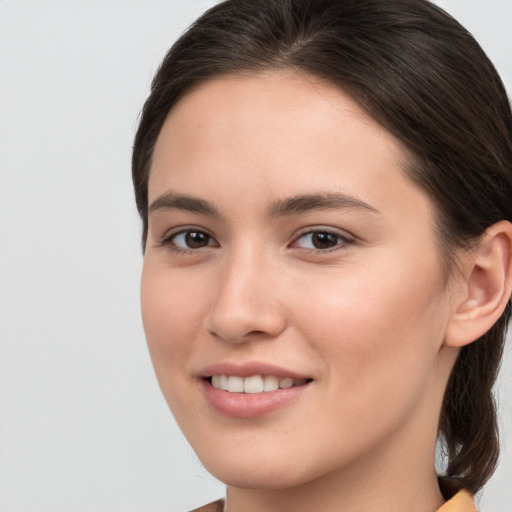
<point>307,202</point>
<point>173,200</point>
<point>280,208</point>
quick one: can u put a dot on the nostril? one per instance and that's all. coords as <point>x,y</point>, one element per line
<point>255,333</point>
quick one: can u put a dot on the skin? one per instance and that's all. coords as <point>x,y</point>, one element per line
<point>366,318</point>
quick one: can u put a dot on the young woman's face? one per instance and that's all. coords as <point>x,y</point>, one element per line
<point>286,247</point>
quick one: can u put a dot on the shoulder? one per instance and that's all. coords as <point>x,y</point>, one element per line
<point>215,506</point>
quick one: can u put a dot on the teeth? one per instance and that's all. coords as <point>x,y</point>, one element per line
<point>286,383</point>
<point>270,383</point>
<point>235,384</point>
<point>254,383</point>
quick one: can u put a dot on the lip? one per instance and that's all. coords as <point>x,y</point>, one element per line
<point>248,405</point>
<point>248,369</point>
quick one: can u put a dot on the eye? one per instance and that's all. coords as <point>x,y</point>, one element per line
<point>189,240</point>
<point>321,240</point>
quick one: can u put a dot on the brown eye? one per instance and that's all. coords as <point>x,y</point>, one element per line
<point>196,239</point>
<point>322,240</point>
<point>191,239</point>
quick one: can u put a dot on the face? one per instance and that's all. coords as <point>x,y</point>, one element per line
<point>292,293</point>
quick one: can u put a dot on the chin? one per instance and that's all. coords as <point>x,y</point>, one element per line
<point>266,476</point>
<point>262,469</point>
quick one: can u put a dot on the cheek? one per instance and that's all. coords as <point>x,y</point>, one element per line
<point>172,314</point>
<point>172,311</point>
<point>375,327</point>
<point>377,344</point>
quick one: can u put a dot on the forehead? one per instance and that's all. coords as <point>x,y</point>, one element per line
<point>277,97</point>
<point>275,133</point>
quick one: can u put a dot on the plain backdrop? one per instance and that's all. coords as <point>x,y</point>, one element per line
<point>83,427</point>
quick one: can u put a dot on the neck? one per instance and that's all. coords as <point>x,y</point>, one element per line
<point>358,489</point>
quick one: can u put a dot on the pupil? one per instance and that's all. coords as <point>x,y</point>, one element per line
<point>324,240</point>
<point>196,240</point>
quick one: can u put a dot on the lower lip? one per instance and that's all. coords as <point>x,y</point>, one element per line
<point>250,405</point>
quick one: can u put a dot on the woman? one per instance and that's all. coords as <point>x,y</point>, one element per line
<point>325,193</point>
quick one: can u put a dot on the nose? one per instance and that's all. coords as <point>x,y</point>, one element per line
<point>246,304</point>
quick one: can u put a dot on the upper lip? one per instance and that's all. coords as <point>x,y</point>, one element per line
<point>248,369</point>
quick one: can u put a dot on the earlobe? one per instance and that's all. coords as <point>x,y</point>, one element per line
<point>487,287</point>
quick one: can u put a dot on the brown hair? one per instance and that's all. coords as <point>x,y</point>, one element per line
<point>423,77</point>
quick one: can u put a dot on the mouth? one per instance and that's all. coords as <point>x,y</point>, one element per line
<point>251,389</point>
<point>254,383</point>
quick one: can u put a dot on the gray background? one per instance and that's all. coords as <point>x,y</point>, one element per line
<point>83,427</point>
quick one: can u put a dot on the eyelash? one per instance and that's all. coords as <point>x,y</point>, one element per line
<point>168,241</point>
<point>343,240</point>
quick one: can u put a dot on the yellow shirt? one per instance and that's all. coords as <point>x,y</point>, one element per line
<point>461,502</point>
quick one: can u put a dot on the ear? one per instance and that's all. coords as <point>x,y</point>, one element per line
<point>485,289</point>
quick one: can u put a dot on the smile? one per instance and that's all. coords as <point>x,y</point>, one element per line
<point>254,383</point>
